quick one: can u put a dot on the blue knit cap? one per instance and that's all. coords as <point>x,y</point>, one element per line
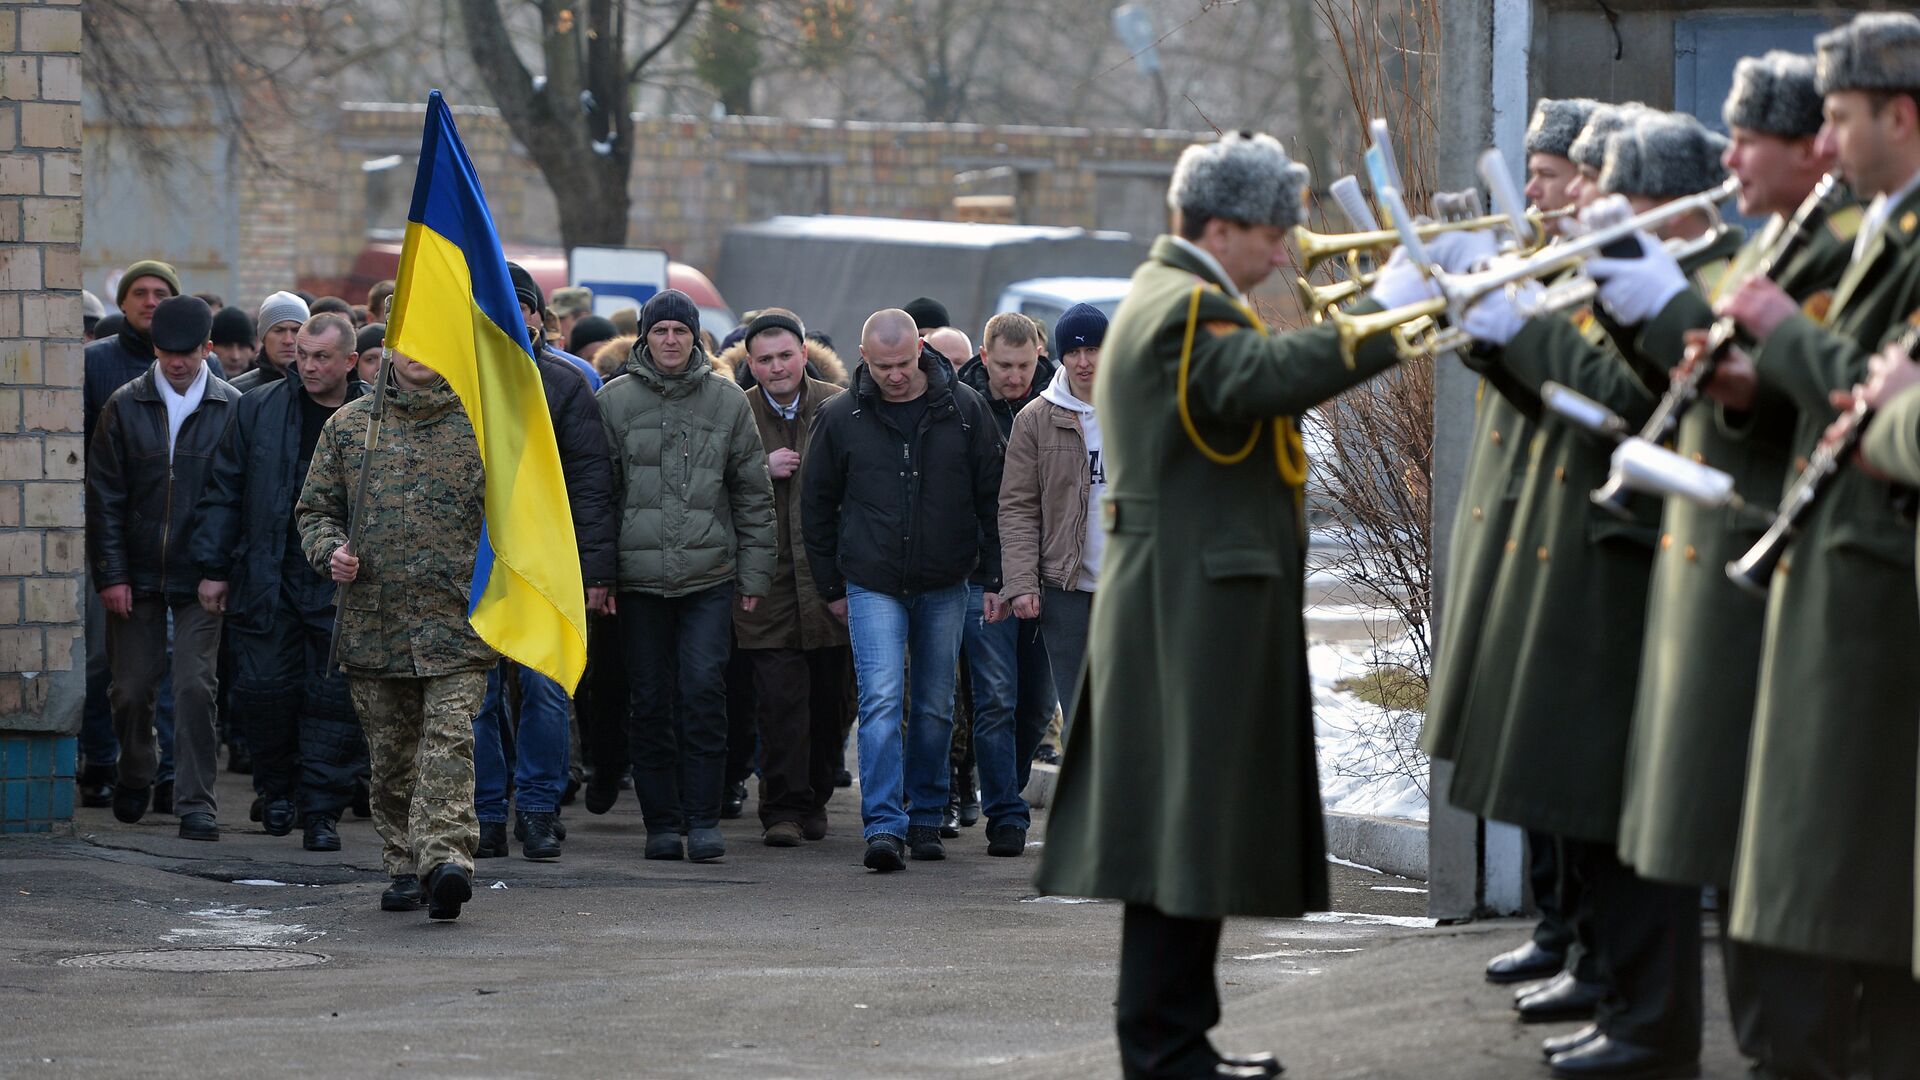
<point>1082,326</point>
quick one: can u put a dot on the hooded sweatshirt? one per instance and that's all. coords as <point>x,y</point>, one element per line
<point>1060,392</point>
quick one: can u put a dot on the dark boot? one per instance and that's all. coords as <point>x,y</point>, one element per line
<point>403,895</point>
<point>602,792</point>
<point>96,786</point>
<point>163,797</point>
<point>448,887</point>
<point>950,821</point>
<point>493,841</point>
<point>130,803</point>
<point>321,833</point>
<point>537,841</point>
<point>734,801</point>
<point>279,816</point>
<point>970,800</point>
<point>362,801</point>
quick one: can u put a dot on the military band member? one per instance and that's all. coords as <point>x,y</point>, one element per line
<point>1831,775</point>
<point>1190,789</point>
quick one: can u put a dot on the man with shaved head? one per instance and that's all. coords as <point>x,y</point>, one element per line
<point>899,508</point>
<point>952,343</point>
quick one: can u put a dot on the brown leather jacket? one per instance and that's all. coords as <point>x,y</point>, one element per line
<point>791,615</point>
<point>1043,500</point>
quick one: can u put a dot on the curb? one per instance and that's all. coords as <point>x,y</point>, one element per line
<point>1389,844</point>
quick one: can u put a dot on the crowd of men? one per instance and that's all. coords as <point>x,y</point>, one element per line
<point>760,560</point>
<point>774,547</point>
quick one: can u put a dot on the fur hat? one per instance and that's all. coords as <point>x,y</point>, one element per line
<point>1774,95</point>
<point>1878,50</point>
<point>1556,123</point>
<point>1589,149</point>
<point>1241,177</point>
<point>1663,155</point>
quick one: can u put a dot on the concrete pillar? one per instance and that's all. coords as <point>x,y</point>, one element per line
<point>1473,868</point>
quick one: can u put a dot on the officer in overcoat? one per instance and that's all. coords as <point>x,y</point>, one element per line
<point>1190,790</point>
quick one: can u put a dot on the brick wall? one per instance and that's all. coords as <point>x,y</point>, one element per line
<point>42,501</point>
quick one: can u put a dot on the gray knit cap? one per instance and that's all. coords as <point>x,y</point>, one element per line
<point>281,307</point>
<point>1242,177</point>
<point>1774,95</point>
<point>1589,149</point>
<point>1556,123</point>
<point>1663,155</point>
<point>1879,50</point>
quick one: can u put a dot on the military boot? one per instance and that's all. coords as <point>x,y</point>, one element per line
<point>537,839</point>
<point>493,841</point>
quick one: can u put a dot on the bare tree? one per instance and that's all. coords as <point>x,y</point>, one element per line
<point>575,115</point>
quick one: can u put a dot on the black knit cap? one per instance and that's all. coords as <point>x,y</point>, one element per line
<point>928,313</point>
<point>371,336</point>
<point>182,324</point>
<point>774,320</point>
<point>233,326</point>
<point>670,305</point>
<point>590,330</point>
<point>524,288</point>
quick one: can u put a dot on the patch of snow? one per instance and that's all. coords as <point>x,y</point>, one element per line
<point>1354,865</point>
<point>1360,918</point>
<point>1367,765</point>
<point>1279,954</point>
<point>269,882</point>
<point>1059,900</point>
<point>1397,888</point>
<point>238,926</point>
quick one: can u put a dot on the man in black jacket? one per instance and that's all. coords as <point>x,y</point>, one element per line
<point>542,742</point>
<point>899,506</point>
<point>153,446</point>
<point>300,724</point>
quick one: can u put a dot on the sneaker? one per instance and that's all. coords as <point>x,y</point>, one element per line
<point>403,895</point>
<point>448,887</point>
<point>320,833</point>
<point>884,853</point>
<point>664,846</point>
<point>1006,841</point>
<point>705,845</point>
<point>493,841</point>
<point>784,834</point>
<point>924,842</point>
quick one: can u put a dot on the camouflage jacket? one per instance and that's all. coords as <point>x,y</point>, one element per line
<point>406,612</point>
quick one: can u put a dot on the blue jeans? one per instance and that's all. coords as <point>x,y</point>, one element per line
<point>993,665</point>
<point>888,633</point>
<point>540,747</point>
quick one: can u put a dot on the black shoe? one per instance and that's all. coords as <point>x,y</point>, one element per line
<point>705,845</point>
<point>403,895</point>
<point>130,803</point>
<point>96,786</point>
<point>163,797</point>
<point>734,802</point>
<point>1007,842</point>
<point>520,826</point>
<point>1614,1060</point>
<point>198,825</point>
<point>1266,1063</point>
<point>239,759</point>
<point>950,822</point>
<point>665,846</point>
<point>924,842</point>
<point>970,803</point>
<point>1047,755</point>
<point>493,841</point>
<point>1528,961</point>
<point>1225,1070</point>
<point>567,793</point>
<point>362,801</point>
<point>1565,998</point>
<point>447,887</point>
<point>601,795</point>
<point>1560,1044</point>
<point>815,827</point>
<point>278,817</point>
<point>537,840</point>
<point>258,810</point>
<point>883,853</point>
<point>321,833</point>
<point>842,778</point>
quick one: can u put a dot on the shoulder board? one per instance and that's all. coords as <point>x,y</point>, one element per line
<point>1844,223</point>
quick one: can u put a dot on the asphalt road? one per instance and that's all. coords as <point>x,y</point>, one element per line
<point>773,963</point>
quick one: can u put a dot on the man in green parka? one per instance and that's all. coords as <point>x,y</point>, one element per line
<point>1699,670</point>
<point>1825,873</point>
<point>1565,627</point>
<point>1190,789</point>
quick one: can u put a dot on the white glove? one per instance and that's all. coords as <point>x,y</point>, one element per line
<point>1635,290</point>
<point>1400,283</point>
<point>1606,212</point>
<point>1497,317</point>
<point>1459,252</point>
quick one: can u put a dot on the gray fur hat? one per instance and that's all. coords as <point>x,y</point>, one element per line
<point>1556,123</point>
<point>1242,177</point>
<point>1589,148</point>
<point>1664,155</point>
<point>1879,50</point>
<point>1774,95</point>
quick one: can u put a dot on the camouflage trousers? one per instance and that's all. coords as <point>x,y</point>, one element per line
<point>420,745</point>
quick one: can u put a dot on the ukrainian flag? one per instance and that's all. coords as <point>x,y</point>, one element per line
<point>454,310</point>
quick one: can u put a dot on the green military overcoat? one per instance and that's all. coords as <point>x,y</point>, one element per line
<point>1826,853</point>
<point>1700,665</point>
<point>1191,784</point>
<point>1893,446</point>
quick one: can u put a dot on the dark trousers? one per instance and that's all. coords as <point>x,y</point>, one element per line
<point>677,719</point>
<point>297,713</point>
<point>1168,998</point>
<point>1805,1017</point>
<point>601,702</point>
<point>1065,616</point>
<point>139,654</point>
<point>1645,938</point>
<point>1034,703</point>
<point>1554,931</point>
<point>799,700</point>
<point>743,741</point>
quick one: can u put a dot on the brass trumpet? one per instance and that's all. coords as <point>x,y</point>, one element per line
<point>1317,247</point>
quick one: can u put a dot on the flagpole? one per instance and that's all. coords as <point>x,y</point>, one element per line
<point>357,517</point>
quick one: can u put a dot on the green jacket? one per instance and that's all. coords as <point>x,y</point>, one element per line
<point>1892,445</point>
<point>1190,783</point>
<point>690,477</point>
<point>1700,665</point>
<point>405,614</point>
<point>1826,849</point>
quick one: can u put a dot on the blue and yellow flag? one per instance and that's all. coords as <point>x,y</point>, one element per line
<point>454,310</point>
